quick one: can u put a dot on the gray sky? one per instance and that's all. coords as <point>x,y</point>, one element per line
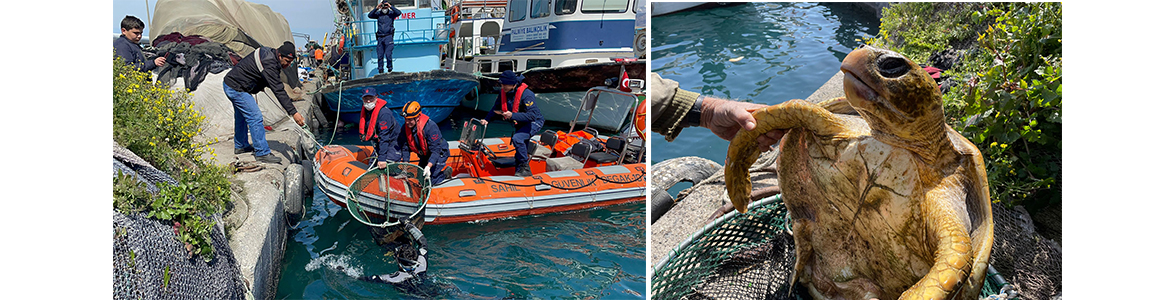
<point>312,17</point>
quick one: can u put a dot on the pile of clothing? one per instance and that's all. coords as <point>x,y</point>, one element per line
<point>191,57</point>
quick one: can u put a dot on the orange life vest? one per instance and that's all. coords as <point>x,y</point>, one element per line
<point>418,144</point>
<point>319,54</point>
<point>515,100</point>
<point>367,135</point>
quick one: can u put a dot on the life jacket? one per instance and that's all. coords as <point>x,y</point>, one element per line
<point>318,54</point>
<point>367,135</point>
<point>417,141</point>
<point>515,101</point>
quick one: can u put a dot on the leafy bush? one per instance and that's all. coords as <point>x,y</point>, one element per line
<point>1008,101</point>
<point>159,125</point>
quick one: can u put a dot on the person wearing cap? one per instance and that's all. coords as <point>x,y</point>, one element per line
<point>378,125</point>
<point>517,105</point>
<point>256,71</point>
<point>385,13</point>
<point>422,137</point>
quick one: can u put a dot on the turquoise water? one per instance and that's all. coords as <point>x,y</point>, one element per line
<point>789,50</point>
<point>576,255</point>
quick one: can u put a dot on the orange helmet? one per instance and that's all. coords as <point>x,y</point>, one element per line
<point>411,110</point>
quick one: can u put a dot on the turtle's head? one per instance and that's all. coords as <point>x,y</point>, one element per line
<point>892,93</point>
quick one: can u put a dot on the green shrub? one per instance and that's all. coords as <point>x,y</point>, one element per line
<point>160,125</point>
<point>1008,100</point>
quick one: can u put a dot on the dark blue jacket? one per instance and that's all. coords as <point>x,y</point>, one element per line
<point>528,118</point>
<point>385,20</point>
<point>386,134</point>
<point>435,144</point>
<point>132,54</point>
<point>246,77</point>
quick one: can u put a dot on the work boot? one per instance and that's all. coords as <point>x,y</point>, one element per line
<point>244,150</point>
<point>523,171</point>
<point>270,158</point>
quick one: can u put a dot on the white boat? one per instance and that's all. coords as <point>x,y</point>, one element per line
<point>566,33</point>
<point>666,8</point>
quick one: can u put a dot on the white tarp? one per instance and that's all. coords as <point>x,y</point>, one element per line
<point>235,23</point>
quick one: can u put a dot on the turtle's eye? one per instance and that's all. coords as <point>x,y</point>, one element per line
<point>892,67</point>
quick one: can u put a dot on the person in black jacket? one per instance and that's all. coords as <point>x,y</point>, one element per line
<point>127,47</point>
<point>251,75</point>
<point>385,13</point>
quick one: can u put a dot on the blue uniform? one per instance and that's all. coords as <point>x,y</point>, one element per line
<point>437,151</point>
<point>385,35</point>
<point>132,54</point>
<point>384,133</point>
<point>528,121</point>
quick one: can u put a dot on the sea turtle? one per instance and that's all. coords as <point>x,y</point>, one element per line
<point>887,201</point>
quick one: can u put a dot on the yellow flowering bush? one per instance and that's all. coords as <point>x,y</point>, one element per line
<point>160,126</point>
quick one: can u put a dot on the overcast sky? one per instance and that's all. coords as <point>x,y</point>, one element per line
<point>312,17</point>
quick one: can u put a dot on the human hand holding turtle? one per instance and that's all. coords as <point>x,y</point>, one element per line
<point>725,118</point>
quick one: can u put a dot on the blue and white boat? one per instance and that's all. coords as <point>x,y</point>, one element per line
<point>573,41</point>
<point>562,47</point>
<point>419,34</point>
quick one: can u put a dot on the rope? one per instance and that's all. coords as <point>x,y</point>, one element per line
<point>636,179</point>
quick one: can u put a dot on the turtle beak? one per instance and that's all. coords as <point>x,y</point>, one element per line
<point>854,67</point>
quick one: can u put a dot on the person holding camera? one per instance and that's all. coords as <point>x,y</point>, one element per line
<point>385,13</point>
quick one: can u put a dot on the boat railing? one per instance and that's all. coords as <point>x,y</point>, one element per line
<point>410,32</point>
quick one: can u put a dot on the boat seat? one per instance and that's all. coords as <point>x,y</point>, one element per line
<point>613,147</point>
<point>548,138</point>
<point>580,151</point>
<point>503,162</point>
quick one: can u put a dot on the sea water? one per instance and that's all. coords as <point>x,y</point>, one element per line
<point>576,255</point>
<point>788,50</point>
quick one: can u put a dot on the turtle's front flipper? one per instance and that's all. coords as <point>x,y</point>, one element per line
<point>953,257</point>
<point>744,149</point>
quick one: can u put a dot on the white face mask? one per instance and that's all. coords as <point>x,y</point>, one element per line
<point>370,106</point>
<point>385,11</point>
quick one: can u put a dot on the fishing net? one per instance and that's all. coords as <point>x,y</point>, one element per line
<point>381,196</point>
<point>149,261</point>
<point>747,255</point>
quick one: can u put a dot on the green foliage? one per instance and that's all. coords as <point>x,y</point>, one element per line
<point>1009,98</point>
<point>917,29</point>
<point>159,125</point>
<point>1010,104</point>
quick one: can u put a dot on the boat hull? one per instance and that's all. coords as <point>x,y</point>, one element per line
<point>439,91</point>
<point>465,199</point>
<point>576,78</point>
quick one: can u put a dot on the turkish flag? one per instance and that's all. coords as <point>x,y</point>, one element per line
<point>625,83</point>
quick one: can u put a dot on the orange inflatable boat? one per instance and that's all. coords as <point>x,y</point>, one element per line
<point>573,170</point>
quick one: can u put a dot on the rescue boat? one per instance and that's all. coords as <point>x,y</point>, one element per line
<point>572,170</point>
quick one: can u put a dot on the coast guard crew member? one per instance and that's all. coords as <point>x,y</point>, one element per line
<point>422,137</point>
<point>518,105</point>
<point>378,124</point>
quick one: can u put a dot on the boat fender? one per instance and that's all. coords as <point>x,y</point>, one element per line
<point>660,202</point>
<point>691,169</point>
<point>307,177</point>
<point>294,196</point>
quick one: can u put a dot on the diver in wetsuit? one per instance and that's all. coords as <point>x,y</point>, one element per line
<point>412,262</point>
